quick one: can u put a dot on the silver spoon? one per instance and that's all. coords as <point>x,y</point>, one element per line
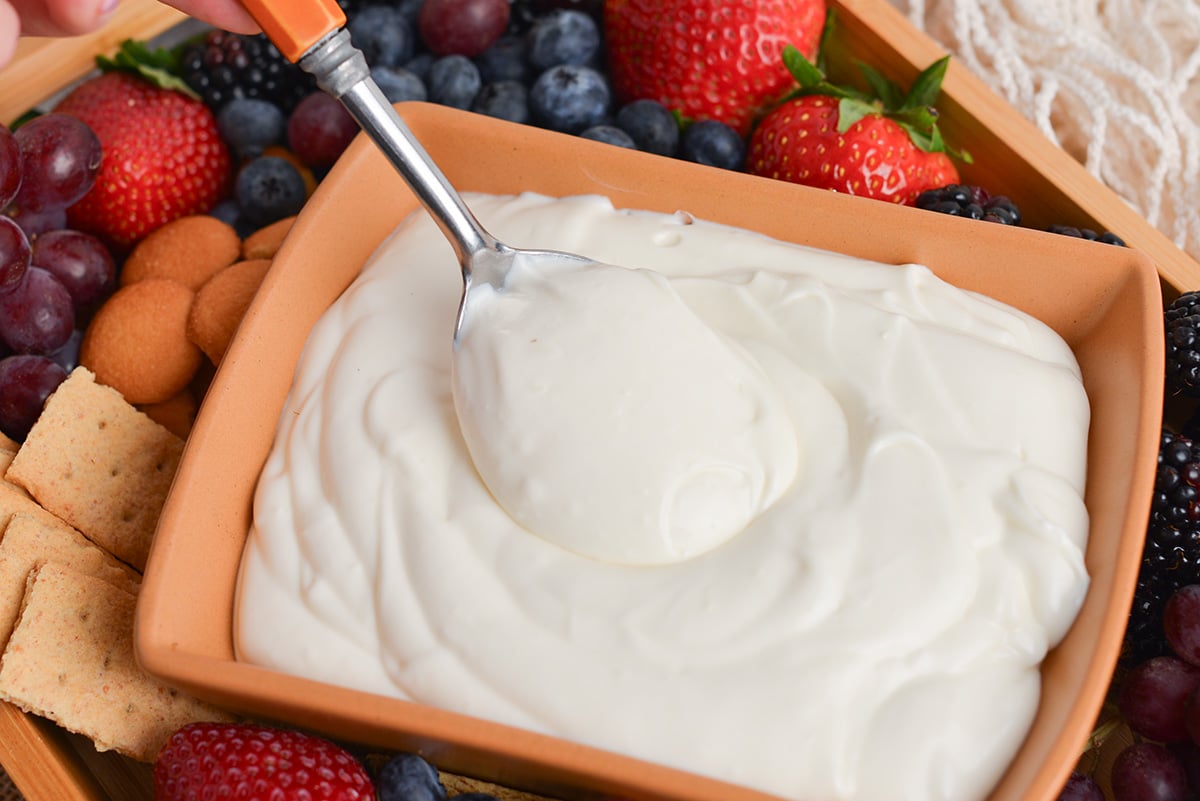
<point>310,33</point>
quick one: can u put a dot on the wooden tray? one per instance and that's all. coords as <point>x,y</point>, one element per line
<point>1011,157</point>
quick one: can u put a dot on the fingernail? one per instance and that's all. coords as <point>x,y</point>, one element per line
<point>108,7</point>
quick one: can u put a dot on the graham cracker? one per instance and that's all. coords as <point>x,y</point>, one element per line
<point>70,659</point>
<point>8,443</point>
<point>15,500</point>
<point>99,464</point>
<point>30,540</point>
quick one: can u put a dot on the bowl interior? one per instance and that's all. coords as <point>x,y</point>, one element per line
<point>1105,301</point>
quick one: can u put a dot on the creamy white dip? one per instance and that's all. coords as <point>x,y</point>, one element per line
<point>866,625</point>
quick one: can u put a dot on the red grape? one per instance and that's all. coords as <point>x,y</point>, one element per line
<point>1148,772</point>
<point>1153,697</point>
<point>1181,623</point>
<point>1080,787</point>
<point>35,223</point>
<point>319,130</point>
<point>462,27</point>
<point>37,316</point>
<point>1188,754</point>
<point>14,255</point>
<point>80,261</point>
<point>60,156</point>
<point>25,383</point>
<point>10,167</point>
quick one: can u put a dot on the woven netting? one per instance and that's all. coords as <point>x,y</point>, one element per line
<point>1116,83</point>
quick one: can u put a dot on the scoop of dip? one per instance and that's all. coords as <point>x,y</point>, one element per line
<point>606,417</point>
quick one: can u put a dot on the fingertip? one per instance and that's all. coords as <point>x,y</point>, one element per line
<point>62,17</point>
<point>10,27</point>
<point>229,16</point>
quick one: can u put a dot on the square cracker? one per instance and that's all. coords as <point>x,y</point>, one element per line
<point>15,500</point>
<point>99,464</point>
<point>30,540</point>
<point>70,659</point>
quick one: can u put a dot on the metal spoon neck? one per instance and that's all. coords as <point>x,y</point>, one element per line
<point>341,70</point>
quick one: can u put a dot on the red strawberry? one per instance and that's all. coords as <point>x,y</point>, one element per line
<point>886,147</point>
<point>163,157</point>
<point>256,763</point>
<point>708,59</point>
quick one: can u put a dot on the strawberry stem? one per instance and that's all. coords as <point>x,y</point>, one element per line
<point>160,66</point>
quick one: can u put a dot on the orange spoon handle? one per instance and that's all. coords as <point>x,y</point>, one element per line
<point>294,26</point>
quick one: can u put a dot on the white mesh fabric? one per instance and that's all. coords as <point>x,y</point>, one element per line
<point>1116,83</point>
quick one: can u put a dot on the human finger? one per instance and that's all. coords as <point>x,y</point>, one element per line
<point>10,30</point>
<point>225,14</point>
<point>61,17</point>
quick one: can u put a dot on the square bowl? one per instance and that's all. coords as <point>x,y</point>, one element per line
<point>1104,301</point>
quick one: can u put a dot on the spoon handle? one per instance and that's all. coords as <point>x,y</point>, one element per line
<point>312,33</point>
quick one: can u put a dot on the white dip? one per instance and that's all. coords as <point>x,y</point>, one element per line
<point>827,568</point>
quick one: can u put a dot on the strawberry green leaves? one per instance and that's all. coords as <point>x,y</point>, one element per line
<point>915,111</point>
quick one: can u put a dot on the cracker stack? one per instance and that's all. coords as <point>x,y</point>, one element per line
<point>79,501</point>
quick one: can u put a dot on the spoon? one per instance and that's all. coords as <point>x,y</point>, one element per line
<point>311,33</point>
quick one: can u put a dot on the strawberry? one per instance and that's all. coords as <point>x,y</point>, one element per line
<point>884,145</point>
<point>256,763</point>
<point>163,156</point>
<point>708,59</point>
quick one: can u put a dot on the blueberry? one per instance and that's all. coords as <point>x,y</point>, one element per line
<point>609,134</point>
<point>652,126</point>
<point>269,189</point>
<point>410,10</point>
<point>250,125</point>
<point>226,211</point>
<point>563,37</point>
<point>454,81</point>
<point>570,98</point>
<point>398,84</point>
<point>504,60</point>
<point>713,143</point>
<point>408,777</point>
<point>383,35</point>
<point>419,65</point>
<point>508,100</point>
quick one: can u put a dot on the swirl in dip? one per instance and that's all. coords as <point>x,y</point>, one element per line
<point>792,520</point>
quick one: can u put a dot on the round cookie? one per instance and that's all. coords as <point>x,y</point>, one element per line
<point>189,250</point>
<point>176,413</point>
<point>220,304</point>
<point>137,342</point>
<point>265,242</point>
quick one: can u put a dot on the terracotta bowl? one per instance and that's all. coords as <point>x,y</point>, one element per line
<point>1104,300</point>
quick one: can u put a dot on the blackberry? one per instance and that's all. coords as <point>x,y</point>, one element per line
<point>1171,555</point>
<point>1182,321</point>
<point>1108,237</point>
<point>974,202</point>
<point>223,66</point>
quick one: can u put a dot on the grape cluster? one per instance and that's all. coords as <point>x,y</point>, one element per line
<point>51,277</point>
<point>1159,700</point>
